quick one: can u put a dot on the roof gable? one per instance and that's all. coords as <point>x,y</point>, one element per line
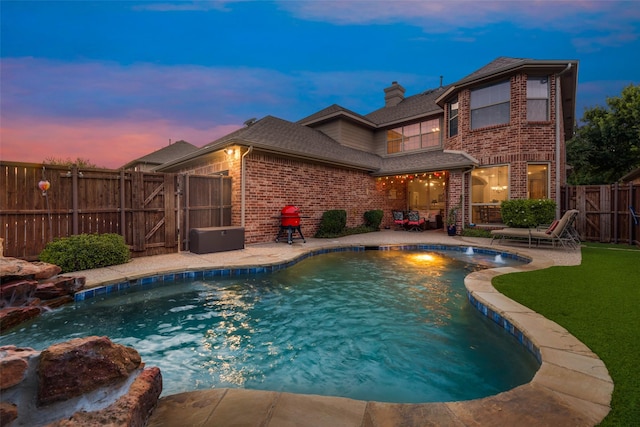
<point>412,107</point>
<point>173,151</point>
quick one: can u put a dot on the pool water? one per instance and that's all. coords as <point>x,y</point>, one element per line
<point>390,326</point>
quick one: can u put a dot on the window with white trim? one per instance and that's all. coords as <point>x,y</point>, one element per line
<point>490,105</point>
<point>537,99</point>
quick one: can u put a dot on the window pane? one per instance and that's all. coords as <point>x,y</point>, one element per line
<point>411,143</point>
<point>538,181</point>
<point>453,126</point>
<point>537,110</point>
<point>431,140</point>
<point>490,95</point>
<point>489,116</point>
<point>537,87</point>
<point>411,130</point>
<point>489,187</point>
<point>394,146</point>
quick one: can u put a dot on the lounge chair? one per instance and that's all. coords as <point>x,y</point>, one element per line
<point>560,231</point>
<point>399,220</point>
<point>415,223</point>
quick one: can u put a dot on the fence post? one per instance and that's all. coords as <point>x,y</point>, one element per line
<point>74,199</point>
<point>169,210</point>
<point>137,205</point>
<point>123,215</point>
<point>187,212</point>
<point>616,213</point>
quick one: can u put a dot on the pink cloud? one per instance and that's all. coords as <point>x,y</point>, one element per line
<point>108,144</point>
<point>437,16</point>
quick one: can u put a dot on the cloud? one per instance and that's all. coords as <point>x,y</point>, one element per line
<point>106,143</point>
<point>617,21</point>
<point>197,94</point>
<point>111,113</point>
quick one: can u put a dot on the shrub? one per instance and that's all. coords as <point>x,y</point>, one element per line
<point>372,219</point>
<point>525,213</point>
<point>332,223</point>
<point>476,232</point>
<point>85,251</point>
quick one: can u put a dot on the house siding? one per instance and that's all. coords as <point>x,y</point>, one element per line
<point>348,134</point>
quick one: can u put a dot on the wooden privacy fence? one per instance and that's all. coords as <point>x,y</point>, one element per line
<point>604,211</point>
<point>152,211</point>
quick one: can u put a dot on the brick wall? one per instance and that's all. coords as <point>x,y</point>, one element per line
<point>518,143</point>
<point>273,182</point>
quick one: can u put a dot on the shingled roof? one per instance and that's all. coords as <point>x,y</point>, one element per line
<point>276,135</point>
<point>171,152</point>
<point>332,112</point>
<point>420,105</point>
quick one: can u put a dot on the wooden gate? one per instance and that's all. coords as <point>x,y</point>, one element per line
<point>604,214</point>
<point>150,210</point>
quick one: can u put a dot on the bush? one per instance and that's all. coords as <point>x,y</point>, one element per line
<point>372,219</point>
<point>85,251</point>
<point>332,223</point>
<point>525,213</point>
<point>476,232</point>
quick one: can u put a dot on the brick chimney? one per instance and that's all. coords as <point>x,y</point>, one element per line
<point>393,95</point>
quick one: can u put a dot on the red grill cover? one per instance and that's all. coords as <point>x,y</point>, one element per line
<point>290,216</point>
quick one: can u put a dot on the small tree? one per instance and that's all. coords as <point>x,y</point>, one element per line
<point>607,146</point>
<point>80,162</point>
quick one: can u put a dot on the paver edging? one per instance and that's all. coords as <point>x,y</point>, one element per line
<point>586,391</point>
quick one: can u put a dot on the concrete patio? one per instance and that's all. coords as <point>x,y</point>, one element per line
<point>572,386</point>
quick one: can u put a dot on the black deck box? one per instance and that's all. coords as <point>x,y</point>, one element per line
<point>215,239</point>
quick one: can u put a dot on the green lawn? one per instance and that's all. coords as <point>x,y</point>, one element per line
<point>599,303</point>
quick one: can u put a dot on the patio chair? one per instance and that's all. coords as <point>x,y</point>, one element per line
<point>560,231</point>
<point>415,223</point>
<point>399,220</point>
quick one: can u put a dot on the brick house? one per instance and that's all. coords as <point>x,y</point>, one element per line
<point>497,134</point>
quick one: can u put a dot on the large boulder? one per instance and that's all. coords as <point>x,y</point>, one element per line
<point>13,316</point>
<point>93,382</point>
<point>75,367</point>
<point>59,286</point>
<point>14,267</point>
<point>131,410</point>
<point>18,292</point>
<point>14,362</point>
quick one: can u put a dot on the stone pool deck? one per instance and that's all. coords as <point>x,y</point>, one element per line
<point>571,388</point>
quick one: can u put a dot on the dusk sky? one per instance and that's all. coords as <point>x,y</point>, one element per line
<point>111,81</point>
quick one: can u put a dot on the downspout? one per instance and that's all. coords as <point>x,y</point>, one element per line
<point>558,99</point>
<point>242,185</point>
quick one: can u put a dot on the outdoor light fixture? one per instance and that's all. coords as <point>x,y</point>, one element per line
<point>229,151</point>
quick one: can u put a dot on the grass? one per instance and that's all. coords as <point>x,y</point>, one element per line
<point>599,303</point>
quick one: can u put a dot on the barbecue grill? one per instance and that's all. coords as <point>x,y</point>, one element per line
<point>290,223</point>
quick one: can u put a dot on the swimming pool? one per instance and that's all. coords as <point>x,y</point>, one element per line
<point>390,326</point>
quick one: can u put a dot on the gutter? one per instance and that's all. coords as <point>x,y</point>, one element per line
<point>558,99</point>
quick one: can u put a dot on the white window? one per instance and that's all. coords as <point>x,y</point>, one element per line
<point>490,105</point>
<point>489,187</point>
<point>537,99</point>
